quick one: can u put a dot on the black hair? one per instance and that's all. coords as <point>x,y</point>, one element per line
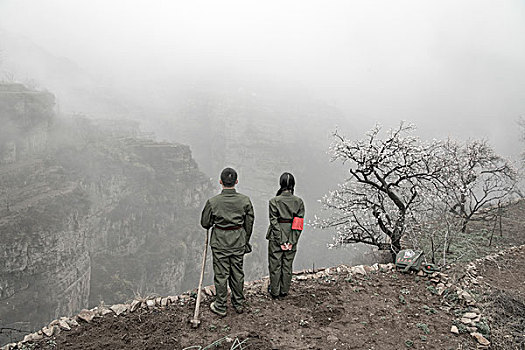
<point>287,183</point>
<point>228,177</point>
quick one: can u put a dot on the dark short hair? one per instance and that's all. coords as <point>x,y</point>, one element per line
<point>228,177</point>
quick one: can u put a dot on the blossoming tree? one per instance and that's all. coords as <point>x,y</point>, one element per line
<point>401,188</point>
<point>387,178</point>
<point>475,176</point>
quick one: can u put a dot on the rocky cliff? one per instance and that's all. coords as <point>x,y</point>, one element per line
<point>90,211</point>
<point>26,116</point>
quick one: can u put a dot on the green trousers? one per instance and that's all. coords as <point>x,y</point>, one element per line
<point>228,270</point>
<point>280,264</point>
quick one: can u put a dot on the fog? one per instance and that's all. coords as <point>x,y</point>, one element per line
<point>453,68</point>
<point>191,71</point>
<point>256,85</point>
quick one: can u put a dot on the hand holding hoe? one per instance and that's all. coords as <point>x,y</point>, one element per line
<point>195,322</point>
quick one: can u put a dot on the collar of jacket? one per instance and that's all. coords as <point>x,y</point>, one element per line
<point>286,193</point>
<point>228,191</point>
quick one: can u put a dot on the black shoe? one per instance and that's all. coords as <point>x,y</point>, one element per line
<point>270,292</point>
<point>283,295</point>
<point>239,309</point>
<point>214,309</point>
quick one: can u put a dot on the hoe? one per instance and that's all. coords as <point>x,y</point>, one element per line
<point>195,322</point>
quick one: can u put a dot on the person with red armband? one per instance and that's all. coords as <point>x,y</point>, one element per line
<point>286,213</point>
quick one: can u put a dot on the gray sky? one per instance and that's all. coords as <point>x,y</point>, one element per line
<point>452,67</point>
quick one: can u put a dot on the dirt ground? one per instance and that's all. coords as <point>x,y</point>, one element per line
<point>385,310</point>
<point>502,296</point>
<point>382,310</point>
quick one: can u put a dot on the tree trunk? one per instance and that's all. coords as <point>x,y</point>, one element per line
<point>395,247</point>
<point>464,226</point>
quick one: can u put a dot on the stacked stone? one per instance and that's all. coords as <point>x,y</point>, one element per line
<point>472,318</point>
<point>351,270</point>
<point>441,281</point>
<point>87,316</point>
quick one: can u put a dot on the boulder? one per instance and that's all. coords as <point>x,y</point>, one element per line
<point>86,315</point>
<point>184,297</point>
<point>164,302</point>
<point>32,337</point>
<point>49,331</point>
<point>454,330</point>
<point>71,322</point>
<point>440,288</point>
<point>465,320</point>
<point>480,338</point>
<point>470,315</point>
<point>384,267</point>
<point>135,304</point>
<point>173,299</point>
<point>119,308</point>
<point>359,269</point>
<point>466,296</point>
<point>368,269</point>
<point>150,303</point>
<point>64,325</point>
<point>103,311</point>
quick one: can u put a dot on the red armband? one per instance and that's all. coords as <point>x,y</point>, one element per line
<point>297,223</point>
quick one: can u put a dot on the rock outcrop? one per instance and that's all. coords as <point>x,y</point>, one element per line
<point>90,211</point>
<point>25,116</point>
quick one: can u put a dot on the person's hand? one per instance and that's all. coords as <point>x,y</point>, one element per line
<point>286,246</point>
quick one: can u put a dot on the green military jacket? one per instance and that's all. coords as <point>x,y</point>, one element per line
<point>228,209</point>
<point>285,206</point>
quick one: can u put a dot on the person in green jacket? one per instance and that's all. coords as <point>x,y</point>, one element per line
<point>286,224</point>
<point>231,216</point>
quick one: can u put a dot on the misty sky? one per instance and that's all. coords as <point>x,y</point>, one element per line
<point>453,67</point>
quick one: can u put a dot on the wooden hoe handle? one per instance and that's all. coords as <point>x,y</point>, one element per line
<point>195,321</point>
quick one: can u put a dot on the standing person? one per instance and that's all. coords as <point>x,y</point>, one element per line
<point>231,216</point>
<point>286,224</point>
